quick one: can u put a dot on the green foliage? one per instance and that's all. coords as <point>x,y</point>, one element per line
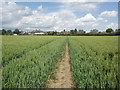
<point>109,30</point>
<point>9,32</point>
<point>94,61</point>
<point>52,33</point>
<point>29,60</point>
<point>16,31</point>
<point>16,46</point>
<point>73,32</point>
<point>94,31</point>
<point>32,69</point>
<point>3,32</point>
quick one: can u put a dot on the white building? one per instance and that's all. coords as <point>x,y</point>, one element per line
<point>41,33</point>
<point>15,34</point>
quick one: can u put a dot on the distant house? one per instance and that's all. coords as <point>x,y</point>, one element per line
<point>64,32</point>
<point>15,34</point>
<point>38,32</point>
<point>22,33</point>
<point>94,31</point>
<point>103,32</point>
<point>81,32</point>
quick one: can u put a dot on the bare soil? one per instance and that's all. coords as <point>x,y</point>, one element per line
<point>62,77</point>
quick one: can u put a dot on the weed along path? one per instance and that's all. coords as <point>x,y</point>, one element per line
<point>62,77</point>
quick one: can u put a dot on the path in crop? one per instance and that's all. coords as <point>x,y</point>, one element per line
<point>62,77</point>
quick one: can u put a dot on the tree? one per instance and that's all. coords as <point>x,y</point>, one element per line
<point>3,32</point>
<point>9,32</point>
<point>16,31</point>
<point>52,33</point>
<point>64,30</point>
<point>117,31</point>
<point>0,32</point>
<point>94,31</point>
<point>109,30</point>
<point>71,32</point>
<point>81,31</point>
<point>55,33</point>
<point>75,31</point>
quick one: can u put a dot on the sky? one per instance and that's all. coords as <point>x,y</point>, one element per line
<point>57,16</point>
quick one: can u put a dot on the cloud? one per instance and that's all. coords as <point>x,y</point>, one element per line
<point>88,18</point>
<point>80,6</point>
<point>24,18</point>
<point>12,12</point>
<point>86,6</point>
<point>40,8</point>
<point>109,14</point>
<point>102,19</point>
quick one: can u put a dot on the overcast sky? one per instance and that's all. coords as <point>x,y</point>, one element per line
<point>48,16</point>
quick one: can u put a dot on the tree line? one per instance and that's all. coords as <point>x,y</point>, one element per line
<point>73,32</point>
<point>94,32</point>
<point>10,32</point>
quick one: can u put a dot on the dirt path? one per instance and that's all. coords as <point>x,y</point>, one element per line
<point>62,77</point>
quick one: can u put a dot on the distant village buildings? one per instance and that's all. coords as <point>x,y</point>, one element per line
<point>38,32</point>
<point>81,32</point>
<point>63,32</point>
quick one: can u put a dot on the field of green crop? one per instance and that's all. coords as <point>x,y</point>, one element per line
<point>29,60</point>
<point>94,61</point>
<point>31,68</point>
<point>15,47</point>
